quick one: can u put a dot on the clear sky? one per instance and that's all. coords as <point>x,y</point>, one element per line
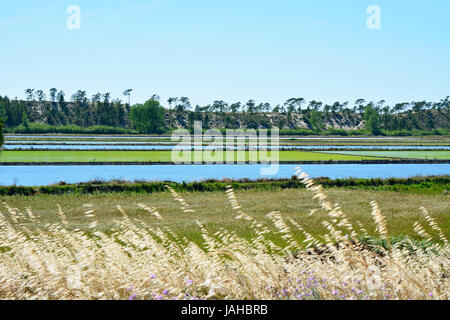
<point>233,50</point>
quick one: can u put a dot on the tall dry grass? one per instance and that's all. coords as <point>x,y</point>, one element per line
<point>137,261</point>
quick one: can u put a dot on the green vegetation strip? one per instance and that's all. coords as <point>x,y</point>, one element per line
<point>156,156</point>
<point>432,184</point>
<point>439,155</point>
<point>169,148</point>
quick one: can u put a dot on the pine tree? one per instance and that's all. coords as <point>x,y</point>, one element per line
<point>1,133</point>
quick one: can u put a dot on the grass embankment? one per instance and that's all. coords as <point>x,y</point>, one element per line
<point>212,209</point>
<point>156,156</point>
<point>430,154</point>
<point>423,185</point>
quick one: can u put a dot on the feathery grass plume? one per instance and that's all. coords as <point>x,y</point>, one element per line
<point>211,243</point>
<point>31,216</point>
<point>90,215</point>
<point>421,232</point>
<point>62,216</point>
<point>260,230</point>
<point>363,229</point>
<point>310,240</point>
<point>183,204</point>
<point>235,204</point>
<point>339,219</point>
<point>152,211</point>
<point>380,221</point>
<point>13,212</point>
<point>283,228</point>
<point>432,223</point>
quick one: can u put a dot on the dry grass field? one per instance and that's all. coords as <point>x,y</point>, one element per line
<point>212,210</point>
<point>293,245</point>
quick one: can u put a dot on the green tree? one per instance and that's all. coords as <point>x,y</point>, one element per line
<point>40,95</point>
<point>120,114</point>
<point>148,117</point>
<point>315,105</point>
<point>294,104</point>
<point>53,93</point>
<point>63,106</point>
<point>235,107</point>
<point>316,121</point>
<point>372,120</point>
<point>250,105</point>
<point>127,93</point>
<point>276,109</point>
<point>25,120</point>
<point>183,104</point>
<point>220,106</point>
<point>170,101</point>
<point>105,111</point>
<point>359,105</point>
<point>1,133</point>
<point>3,113</point>
<point>30,94</point>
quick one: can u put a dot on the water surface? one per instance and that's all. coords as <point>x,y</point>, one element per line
<point>46,175</point>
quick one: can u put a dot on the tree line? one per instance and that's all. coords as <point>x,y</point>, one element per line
<point>1,133</point>
<point>55,110</point>
<point>79,110</point>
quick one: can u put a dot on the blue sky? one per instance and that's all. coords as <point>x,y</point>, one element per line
<point>233,50</point>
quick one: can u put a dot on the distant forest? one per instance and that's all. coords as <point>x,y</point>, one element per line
<point>57,113</point>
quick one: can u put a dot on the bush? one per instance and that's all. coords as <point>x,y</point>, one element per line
<point>39,128</point>
<point>2,139</point>
<point>148,117</point>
